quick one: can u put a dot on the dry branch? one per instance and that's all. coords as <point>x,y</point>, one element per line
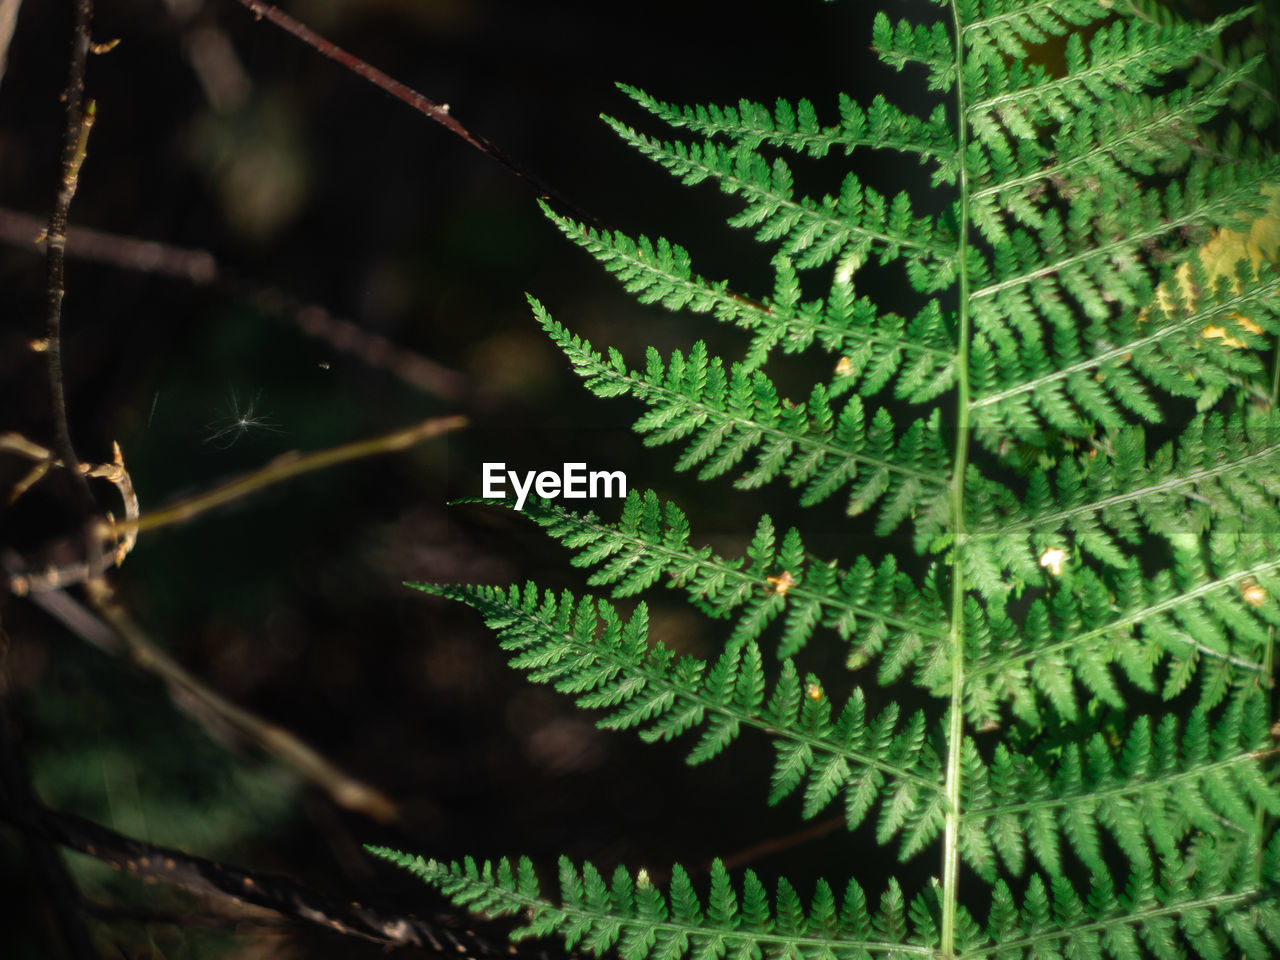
<point>272,892</point>
<point>74,149</point>
<point>289,465</point>
<point>22,582</point>
<point>122,535</point>
<point>439,112</point>
<point>200,268</point>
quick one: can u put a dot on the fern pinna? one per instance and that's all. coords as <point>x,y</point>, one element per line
<point>1105,263</point>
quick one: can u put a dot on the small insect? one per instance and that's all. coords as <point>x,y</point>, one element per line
<point>239,420</point>
<point>813,691</point>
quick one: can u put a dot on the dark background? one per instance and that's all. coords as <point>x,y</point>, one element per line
<point>308,180</point>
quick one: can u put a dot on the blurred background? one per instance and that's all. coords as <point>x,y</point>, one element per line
<point>219,133</point>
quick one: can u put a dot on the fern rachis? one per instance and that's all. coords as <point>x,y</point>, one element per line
<point>1106,262</point>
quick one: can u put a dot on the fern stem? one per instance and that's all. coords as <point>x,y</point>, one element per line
<point>1260,817</point>
<point>955,723</point>
<point>1275,377</point>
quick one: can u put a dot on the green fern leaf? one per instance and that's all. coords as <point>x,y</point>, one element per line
<point>1103,262</point>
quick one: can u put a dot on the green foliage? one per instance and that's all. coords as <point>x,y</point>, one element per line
<point>1106,263</point>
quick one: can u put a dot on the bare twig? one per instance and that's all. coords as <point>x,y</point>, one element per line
<point>231,919</point>
<point>72,614</point>
<point>273,892</point>
<point>74,148</point>
<point>291,465</point>
<point>439,112</point>
<point>121,535</point>
<point>57,577</point>
<point>199,267</point>
<point>377,351</point>
<point>778,844</point>
<point>345,791</point>
<point>24,231</point>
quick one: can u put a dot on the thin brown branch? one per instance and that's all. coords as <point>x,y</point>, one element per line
<point>439,112</point>
<point>200,268</point>
<point>72,614</point>
<point>96,562</point>
<point>123,534</point>
<point>74,148</point>
<point>24,231</point>
<point>287,466</point>
<point>377,351</point>
<point>778,844</point>
<point>279,894</point>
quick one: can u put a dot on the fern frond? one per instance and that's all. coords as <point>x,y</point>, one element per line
<point>1210,615</point>
<point>585,649</point>
<point>1256,98</point>
<point>796,127</point>
<point>660,273</point>
<point>1156,913</point>
<point>1211,195</point>
<point>1008,27</point>
<point>1125,56</point>
<point>854,224</point>
<point>1106,258</point>
<point>876,346</point>
<point>865,605</point>
<point>730,414</point>
<point>1190,350</point>
<point>1151,792</point>
<point>1136,135</point>
<point>1104,502</point>
<point>904,42</point>
<point>1214,901</point>
<point>629,915</point>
